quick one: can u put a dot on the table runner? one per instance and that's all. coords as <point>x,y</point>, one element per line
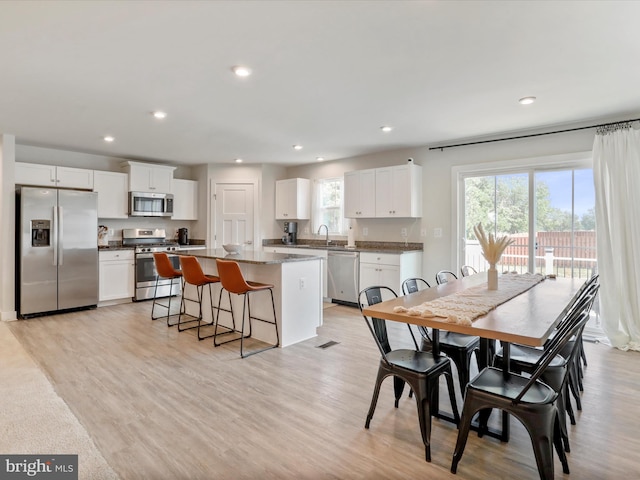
<point>465,306</point>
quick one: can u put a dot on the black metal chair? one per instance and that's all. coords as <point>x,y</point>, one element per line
<point>421,370</point>
<point>528,398</point>
<point>457,346</point>
<point>523,358</point>
<point>467,270</point>
<point>444,276</point>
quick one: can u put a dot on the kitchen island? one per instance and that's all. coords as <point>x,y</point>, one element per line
<point>297,292</point>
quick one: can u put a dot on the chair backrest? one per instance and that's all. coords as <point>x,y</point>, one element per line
<point>583,291</point>
<point>377,326</point>
<point>191,270</point>
<point>443,276</point>
<point>576,319</point>
<point>467,270</point>
<point>231,276</point>
<point>163,265</point>
<point>412,285</point>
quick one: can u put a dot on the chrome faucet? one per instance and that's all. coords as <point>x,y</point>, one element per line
<point>327,235</point>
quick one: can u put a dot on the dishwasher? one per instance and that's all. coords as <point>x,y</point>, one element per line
<point>343,277</point>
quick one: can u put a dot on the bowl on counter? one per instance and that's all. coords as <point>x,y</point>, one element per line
<point>232,247</point>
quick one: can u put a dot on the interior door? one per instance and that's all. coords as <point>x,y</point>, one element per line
<point>234,213</point>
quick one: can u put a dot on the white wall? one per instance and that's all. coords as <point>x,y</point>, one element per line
<point>7,227</point>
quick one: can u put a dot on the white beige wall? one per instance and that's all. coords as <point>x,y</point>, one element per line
<point>7,227</point>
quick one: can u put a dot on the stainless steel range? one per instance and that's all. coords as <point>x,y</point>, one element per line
<point>147,241</point>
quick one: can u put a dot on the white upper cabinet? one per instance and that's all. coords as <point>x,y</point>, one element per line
<point>360,194</point>
<point>112,189</point>
<point>144,177</point>
<point>185,199</point>
<point>399,191</point>
<point>52,176</point>
<point>293,199</point>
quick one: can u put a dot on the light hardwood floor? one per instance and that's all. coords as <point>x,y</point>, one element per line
<point>160,404</point>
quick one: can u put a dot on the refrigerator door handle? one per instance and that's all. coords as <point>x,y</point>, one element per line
<point>55,236</point>
<point>60,236</point>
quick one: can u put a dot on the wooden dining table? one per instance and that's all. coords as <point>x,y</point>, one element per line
<point>527,319</point>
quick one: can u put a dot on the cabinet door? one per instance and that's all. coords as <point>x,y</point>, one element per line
<point>359,194</point>
<point>68,177</point>
<point>161,180</point>
<point>112,194</point>
<point>285,199</point>
<point>369,275</point>
<point>384,192</point>
<point>389,276</point>
<point>116,276</point>
<point>185,200</point>
<point>150,178</point>
<point>34,174</point>
<point>293,199</point>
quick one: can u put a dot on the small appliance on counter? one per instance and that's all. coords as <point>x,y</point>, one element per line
<point>183,236</point>
<point>103,232</point>
<point>290,233</point>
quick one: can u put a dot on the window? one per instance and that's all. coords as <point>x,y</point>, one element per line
<point>328,203</point>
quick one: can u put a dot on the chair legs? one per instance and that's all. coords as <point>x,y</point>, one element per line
<point>167,306</point>
<point>541,423</point>
<point>246,316</point>
<point>424,392</point>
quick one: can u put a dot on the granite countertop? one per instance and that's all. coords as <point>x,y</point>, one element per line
<point>257,257</point>
<point>371,247</point>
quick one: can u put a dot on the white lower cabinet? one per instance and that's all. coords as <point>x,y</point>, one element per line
<point>117,275</point>
<point>389,269</point>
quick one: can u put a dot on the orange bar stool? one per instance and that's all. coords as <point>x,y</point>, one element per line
<point>193,275</point>
<point>233,282</point>
<point>165,270</point>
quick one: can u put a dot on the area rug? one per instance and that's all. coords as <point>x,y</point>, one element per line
<point>34,420</point>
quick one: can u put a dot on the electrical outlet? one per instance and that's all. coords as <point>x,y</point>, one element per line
<point>437,232</point>
<point>306,230</point>
<point>423,232</point>
<point>365,231</point>
<point>302,282</point>
<point>111,232</point>
<point>403,232</point>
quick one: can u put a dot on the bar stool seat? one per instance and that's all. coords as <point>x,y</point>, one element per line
<point>193,275</point>
<point>165,270</point>
<point>234,282</point>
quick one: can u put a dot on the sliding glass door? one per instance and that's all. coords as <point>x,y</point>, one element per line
<point>550,214</point>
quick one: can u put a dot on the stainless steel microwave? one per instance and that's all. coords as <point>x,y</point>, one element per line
<point>147,204</point>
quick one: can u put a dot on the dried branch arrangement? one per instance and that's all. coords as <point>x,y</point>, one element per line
<point>492,248</point>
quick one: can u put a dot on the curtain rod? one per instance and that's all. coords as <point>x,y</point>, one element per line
<point>532,135</point>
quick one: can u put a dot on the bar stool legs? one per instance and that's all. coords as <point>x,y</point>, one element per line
<point>233,282</point>
<point>165,270</point>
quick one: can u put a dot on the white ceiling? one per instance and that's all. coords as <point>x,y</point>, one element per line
<point>326,74</point>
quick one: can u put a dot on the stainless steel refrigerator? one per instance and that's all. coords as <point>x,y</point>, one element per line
<point>57,259</point>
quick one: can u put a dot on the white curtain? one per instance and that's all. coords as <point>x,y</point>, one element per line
<point>616,172</point>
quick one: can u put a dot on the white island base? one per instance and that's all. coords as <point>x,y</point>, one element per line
<point>297,295</point>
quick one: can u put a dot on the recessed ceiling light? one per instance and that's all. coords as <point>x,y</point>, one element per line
<point>297,147</point>
<point>160,115</point>
<point>109,138</point>
<point>241,71</point>
<point>238,160</point>
<point>320,159</point>
<point>386,128</point>
<point>527,100</point>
